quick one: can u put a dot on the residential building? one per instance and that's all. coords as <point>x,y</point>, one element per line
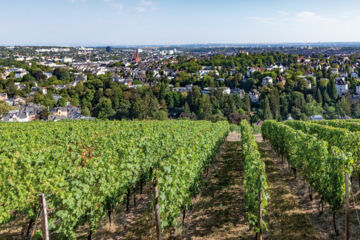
<point>316,118</point>
<point>239,92</point>
<point>267,81</point>
<point>25,113</point>
<point>334,71</point>
<point>341,86</point>
<point>254,96</point>
<point>358,88</point>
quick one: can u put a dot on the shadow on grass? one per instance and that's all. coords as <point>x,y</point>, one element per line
<point>219,211</point>
<point>285,216</point>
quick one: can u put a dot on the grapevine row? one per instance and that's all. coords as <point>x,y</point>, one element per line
<point>254,179</point>
<point>322,166</point>
<point>87,168</point>
<point>349,125</point>
<point>344,139</point>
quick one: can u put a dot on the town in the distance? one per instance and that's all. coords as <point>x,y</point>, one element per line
<point>180,82</point>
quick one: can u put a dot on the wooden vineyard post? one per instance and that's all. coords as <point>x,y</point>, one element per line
<point>347,224</point>
<point>44,217</point>
<point>260,213</point>
<point>157,208</point>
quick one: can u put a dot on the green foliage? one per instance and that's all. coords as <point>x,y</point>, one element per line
<point>313,108</point>
<point>4,108</point>
<point>267,111</point>
<point>161,115</point>
<point>321,164</point>
<point>85,168</point>
<point>62,102</point>
<point>181,171</point>
<point>340,137</point>
<point>351,125</point>
<point>254,179</point>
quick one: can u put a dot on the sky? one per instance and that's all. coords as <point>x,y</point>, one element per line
<point>162,22</point>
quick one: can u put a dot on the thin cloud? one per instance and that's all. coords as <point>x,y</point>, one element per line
<point>311,17</point>
<point>114,4</point>
<point>147,3</point>
<point>146,6</point>
<point>74,1</point>
<point>299,17</point>
<point>118,6</point>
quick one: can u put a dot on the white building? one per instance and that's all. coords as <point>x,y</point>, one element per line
<point>205,72</point>
<point>334,71</point>
<point>18,72</point>
<point>274,67</point>
<point>354,75</point>
<point>341,86</point>
<point>209,90</point>
<point>67,60</point>
<point>358,88</point>
<point>237,91</point>
<point>267,81</point>
<point>254,96</point>
<point>250,71</point>
<point>226,90</point>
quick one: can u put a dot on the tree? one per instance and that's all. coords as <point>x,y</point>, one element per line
<point>247,103</point>
<point>161,115</point>
<point>324,82</point>
<point>332,90</point>
<point>4,108</point>
<point>74,102</point>
<point>267,110</point>
<point>228,106</point>
<point>124,109</point>
<point>298,100</point>
<point>40,76</point>
<point>62,74</point>
<point>61,102</point>
<point>187,108</point>
<point>343,107</point>
<point>205,108</point>
<point>313,108</point>
<point>85,111</point>
<point>104,109</point>
<point>194,99</point>
<point>330,112</point>
<point>356,110</point>
<point>275,103</point>
<point>44,114</point>
<point>138,108</point>
<point>319,97</point>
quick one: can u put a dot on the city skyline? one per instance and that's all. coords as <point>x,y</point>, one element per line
<point>159,22</point>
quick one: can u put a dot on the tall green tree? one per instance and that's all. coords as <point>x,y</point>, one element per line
<point>319,97</point>
<point>267,111</point>
<point>205,109</point>
<point>275,103</point>
<point>332,90</point>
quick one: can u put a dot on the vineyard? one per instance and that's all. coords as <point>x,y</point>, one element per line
<point>90,172</point>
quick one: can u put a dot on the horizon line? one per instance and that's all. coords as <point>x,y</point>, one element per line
<point>180,44</point>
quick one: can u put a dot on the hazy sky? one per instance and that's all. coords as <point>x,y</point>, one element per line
<point>119,22</point>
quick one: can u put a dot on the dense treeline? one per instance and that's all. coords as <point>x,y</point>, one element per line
<point>290,93</point>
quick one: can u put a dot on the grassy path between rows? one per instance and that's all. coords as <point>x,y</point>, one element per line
<point>286,217</point>
<point>218,212</point>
